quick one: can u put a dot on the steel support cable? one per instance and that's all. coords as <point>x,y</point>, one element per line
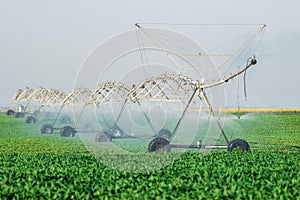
<point>166,53</point>
<point>252,37</point>
<point>140,44</point>
<point>242,51</point>
<point>187,54</point>
<point>199,24</point>
<point>166,38</point>
<point>262,26</point>
<point>260,35</point>
<point>175,44</point>
<point>226,79</point>
<point>233,40</point>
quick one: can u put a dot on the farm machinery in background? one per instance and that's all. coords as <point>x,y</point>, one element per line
<point>37,101</point>
<point>78,96</point>
<point>21,95</point>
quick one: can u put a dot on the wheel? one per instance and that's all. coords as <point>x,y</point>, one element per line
<point>164,133</point>
<point>238,144</point>
<point>10,112</point>
<point>30,120</point>
<point>103,137</point>
<point>47,129</point>
<point>67,131</point>
<point>65,119</point>
<point>159,145</point>
<point>19,115</point>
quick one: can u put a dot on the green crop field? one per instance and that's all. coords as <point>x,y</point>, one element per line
<point>36,166</point>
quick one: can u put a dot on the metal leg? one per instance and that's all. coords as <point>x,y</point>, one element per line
<point>183,114</point>
<point>120,113</point>
<point>148,119</point>
<point>105,122</point>
<point>80,114</point>
<point>26,106</point>
<point>213,114</point>
<point>122,110</point>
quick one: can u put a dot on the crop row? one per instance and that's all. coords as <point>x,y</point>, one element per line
<point>33,165</point>
<point>217,175</point>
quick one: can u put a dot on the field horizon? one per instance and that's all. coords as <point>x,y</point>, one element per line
<point>237,110</point>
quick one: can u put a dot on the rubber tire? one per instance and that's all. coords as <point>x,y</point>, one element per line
<point>30,120</point>
<point>19,115</point>
<point>47,129</point>
<point>65,119</point>
<point>159,145</point>
<point>238,144</point>
<point>67,131</point>
<point>103,137</point>
<point>10,113</point>
<point>164,133</point>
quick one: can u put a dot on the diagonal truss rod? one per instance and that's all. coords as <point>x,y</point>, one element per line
<point>203,94</point>
<point>122,110</point>
<point>184,112</point>
<point>154,83</point>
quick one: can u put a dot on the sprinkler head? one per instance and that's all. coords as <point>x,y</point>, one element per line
<point>253,61</point>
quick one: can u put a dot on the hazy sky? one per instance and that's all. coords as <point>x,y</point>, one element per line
<point>43,43</point>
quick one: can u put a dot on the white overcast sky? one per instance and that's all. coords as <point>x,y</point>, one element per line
<point>43,43</point>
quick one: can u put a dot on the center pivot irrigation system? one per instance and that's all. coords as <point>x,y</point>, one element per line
<point>78,96</point>
<point>170,88</point>
<point>165,87</point>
